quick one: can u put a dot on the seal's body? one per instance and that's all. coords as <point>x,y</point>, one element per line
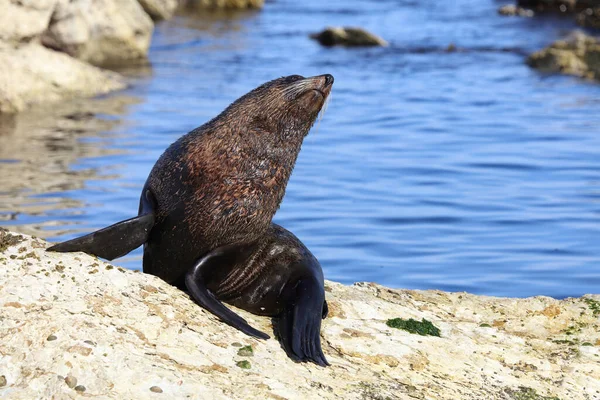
<point>276,276</point>
<point>217,187</point>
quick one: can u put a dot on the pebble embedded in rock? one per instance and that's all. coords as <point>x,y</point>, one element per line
<point>156,389</point>
<point>2,380</point>
<point>71,381</point>
<point>80,388</point>
<point>51,338</point>
<point>236,344</point>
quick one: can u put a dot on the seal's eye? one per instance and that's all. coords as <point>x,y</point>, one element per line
<point>293,78</point>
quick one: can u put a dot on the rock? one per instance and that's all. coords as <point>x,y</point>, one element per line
<point>514,11</point>
<point>577,55</point>
<point>589,18</point>
<point>159,9</point>
<point>32,74</point>
<point>347,36</point>
<point>22,21</point>
<point>141,333</point>
<point>558,5</point>
<point>101,32</point>
<point>224,4</point>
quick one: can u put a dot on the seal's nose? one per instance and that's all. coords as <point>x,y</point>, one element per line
<point>328,79</point>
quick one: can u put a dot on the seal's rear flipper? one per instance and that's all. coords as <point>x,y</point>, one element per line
<point>113,241</point>
<point>299,326</point>
<point>195,284</point>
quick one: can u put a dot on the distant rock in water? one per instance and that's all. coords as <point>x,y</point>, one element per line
<point>558,5</point>
<point>347,36</point>
<point>577,55</point>
<point>224,4</point>
<point>589,18</point>
<point>512,10</point>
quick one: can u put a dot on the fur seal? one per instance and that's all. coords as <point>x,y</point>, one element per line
<point>276,276</point>
<point>216,187</point>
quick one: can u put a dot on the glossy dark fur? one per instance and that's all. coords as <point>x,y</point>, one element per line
<point>276,276</point>
<point>217,187</point>
<point>221,183</point>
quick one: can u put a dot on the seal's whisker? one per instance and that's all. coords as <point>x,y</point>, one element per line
<point>322,112</point>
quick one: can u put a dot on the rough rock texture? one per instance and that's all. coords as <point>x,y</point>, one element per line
<point>71,324</point>
<point>100,31</point>
<point>224,4</point>
<point>577,55</point>
<point>22,21</point>
<point>159,9</point>
<point>514,11</point>
<point>32,74</point>
<point>347,36</point>
<point>589,18</point>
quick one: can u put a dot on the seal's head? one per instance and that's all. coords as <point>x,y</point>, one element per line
<point>288,105</point>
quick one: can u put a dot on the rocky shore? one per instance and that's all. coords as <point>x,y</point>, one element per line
<point>55,49</point>
<point>72,325</point>
<point>579,53</point>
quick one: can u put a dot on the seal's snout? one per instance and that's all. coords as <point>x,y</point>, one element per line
<point>324,83</point>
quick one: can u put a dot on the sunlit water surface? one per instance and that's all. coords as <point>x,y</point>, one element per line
<point>457,170</point>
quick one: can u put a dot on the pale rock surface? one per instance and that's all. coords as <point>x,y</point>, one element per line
<point>22,21</point>
<point>347,36</point>
<point>72,326</point>
<point>100,32</point>
<point>31,74</point>
<point>577,55</point>
<point>159,9</point>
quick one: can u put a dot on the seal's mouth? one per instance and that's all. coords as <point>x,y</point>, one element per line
<point>320,92</point>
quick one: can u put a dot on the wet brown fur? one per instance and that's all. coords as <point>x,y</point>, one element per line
<point>222,183</point>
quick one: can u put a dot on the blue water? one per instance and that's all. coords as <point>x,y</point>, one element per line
<point>456,171</point>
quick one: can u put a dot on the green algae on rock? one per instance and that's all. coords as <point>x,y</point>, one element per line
<point>244,364</point>
<point>246,351</point>
<point>423,328</point>
<point>594,305</point>
<point>525,393</point>
<point>8,239</point>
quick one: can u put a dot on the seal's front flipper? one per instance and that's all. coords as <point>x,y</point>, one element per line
<point>195,284</point>
<point>113,241</point>
<point>299,326</point>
